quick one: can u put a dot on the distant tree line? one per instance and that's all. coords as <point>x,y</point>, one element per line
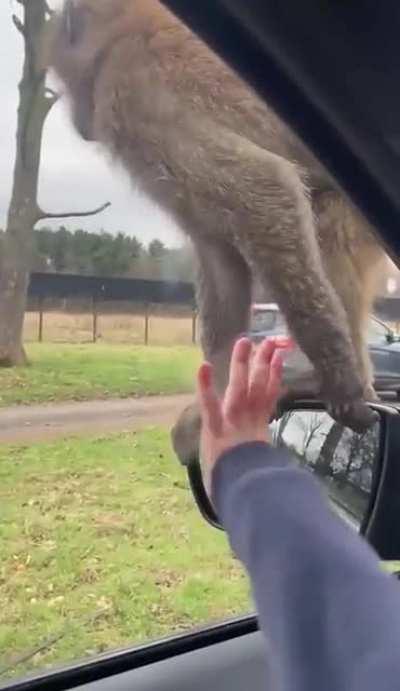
<point>104,254</point>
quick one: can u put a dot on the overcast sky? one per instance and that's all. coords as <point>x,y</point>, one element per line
<point>74,174</point>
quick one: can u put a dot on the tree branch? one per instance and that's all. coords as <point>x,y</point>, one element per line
<point>50,642</point>
<point>47,105</point>
<point>48,9</point>
<point>50,92</point>
<point>71,214</point>
<point>20,26</point>
<point>51,98</point>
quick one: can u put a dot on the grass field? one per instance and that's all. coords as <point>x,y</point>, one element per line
<point>101,546</point>
<point>64,327</point>
<point>83,372</point>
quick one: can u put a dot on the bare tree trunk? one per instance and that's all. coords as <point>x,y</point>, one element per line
<point>23,212</point>
<point>282,426</point>
<point>332,440</point>
<point>14,277</point>
<point>35,103</point>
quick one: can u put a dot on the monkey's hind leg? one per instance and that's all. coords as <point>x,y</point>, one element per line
<point>354,262</point>
<point>224,297</point>
<point>279,241</point>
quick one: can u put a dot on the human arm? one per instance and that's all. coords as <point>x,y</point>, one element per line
<point>331,617</point>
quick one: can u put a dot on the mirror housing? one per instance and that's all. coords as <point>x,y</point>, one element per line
<point>380,524</point>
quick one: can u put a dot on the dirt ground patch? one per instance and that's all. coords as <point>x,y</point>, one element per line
<point>29,424</point>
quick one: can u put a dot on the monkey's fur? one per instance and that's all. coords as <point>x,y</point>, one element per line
<point>253,200</point>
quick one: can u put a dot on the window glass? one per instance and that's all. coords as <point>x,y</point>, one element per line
<point>101,545</point>
<point>264,320</point>
<point>377,332</point>
<point>268,320</point>
<point>343,461</point>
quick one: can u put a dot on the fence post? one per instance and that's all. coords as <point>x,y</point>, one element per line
<point>94,306</point>
<point>40,334</point>
<point>146,324</point>
<point>194,326</point>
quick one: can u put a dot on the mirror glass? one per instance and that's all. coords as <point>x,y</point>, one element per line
<point>344,461</point>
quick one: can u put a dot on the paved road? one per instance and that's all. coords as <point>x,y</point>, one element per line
<point>26,424</point>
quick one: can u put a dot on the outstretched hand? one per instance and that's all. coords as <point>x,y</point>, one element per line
<point>243,414</point>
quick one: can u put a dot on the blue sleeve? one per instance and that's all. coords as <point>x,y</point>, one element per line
<point>331,617</point>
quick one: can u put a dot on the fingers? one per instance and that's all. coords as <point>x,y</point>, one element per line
<point>210,405</point>
<point>236,393</point>
<point>259,375</point>
<point>274,389</point>
<point>286,343</point>
<point>265,375</point>
<point>253,388</point>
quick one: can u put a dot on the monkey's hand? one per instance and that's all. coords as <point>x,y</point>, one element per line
<point>345,392</point>
<point>299,380</point>
<point>357,415</point>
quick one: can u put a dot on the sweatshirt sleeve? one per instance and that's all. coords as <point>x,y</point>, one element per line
<point>331,617</point>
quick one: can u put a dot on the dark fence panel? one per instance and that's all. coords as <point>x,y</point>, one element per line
<point>48,285</point>
<point>43,285</point>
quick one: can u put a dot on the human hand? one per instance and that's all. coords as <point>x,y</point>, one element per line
<point>242,415</point>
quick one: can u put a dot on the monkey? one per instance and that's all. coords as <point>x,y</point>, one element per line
<point>356,262</point>
<point>246,191</point>
<point>349,249</point>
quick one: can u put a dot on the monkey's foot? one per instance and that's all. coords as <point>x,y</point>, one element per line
<point>357,415</point>
<point>300,381</point>
<point>345,392</point>
<point>185,434</point>
<point>370,394</point>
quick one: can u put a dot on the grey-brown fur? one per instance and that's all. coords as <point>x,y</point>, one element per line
<point>249,195</point>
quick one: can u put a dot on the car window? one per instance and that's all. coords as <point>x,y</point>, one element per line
<point>264,320</point>
<point>281,323</point>
<point>101,545</point>
<point>377,332</point>
<point>343,461</point>
<point>268,320</point>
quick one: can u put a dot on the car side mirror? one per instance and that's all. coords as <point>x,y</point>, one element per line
<point>358,472</point>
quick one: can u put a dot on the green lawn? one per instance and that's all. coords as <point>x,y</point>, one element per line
<point>84,372</point>
<point>101,545</point>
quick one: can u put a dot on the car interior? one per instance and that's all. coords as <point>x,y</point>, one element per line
<point>330,69</point>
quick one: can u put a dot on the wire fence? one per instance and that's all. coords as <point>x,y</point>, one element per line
<point>92,321</point>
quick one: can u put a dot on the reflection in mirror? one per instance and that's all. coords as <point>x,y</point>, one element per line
<point>344,461</point>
